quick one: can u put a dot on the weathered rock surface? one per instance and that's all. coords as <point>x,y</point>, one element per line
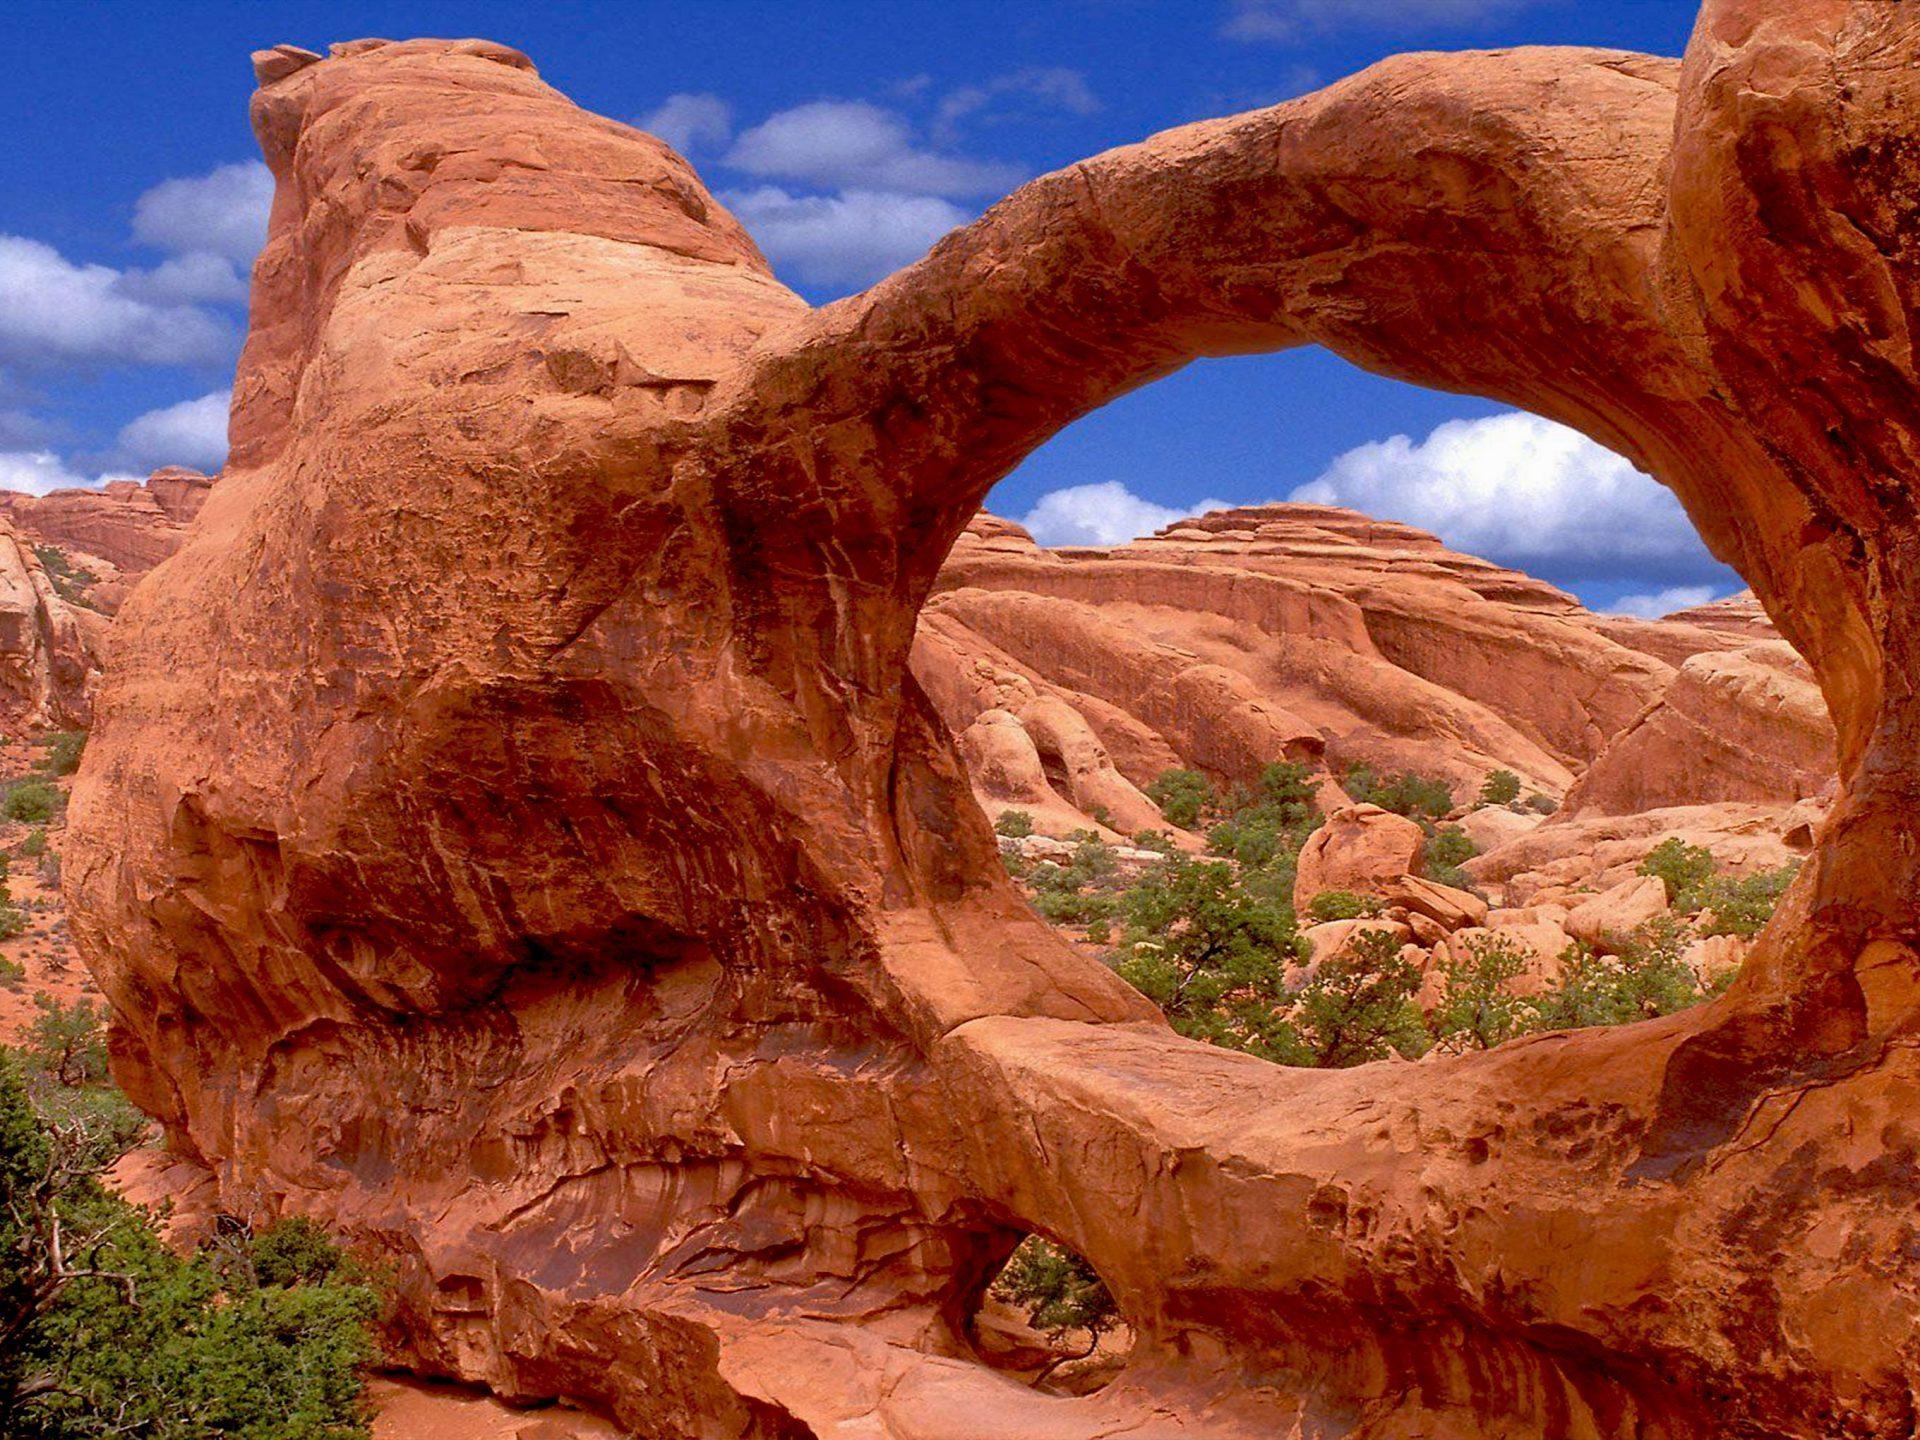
<point>1314,633</point>
<point>1361,849</point>
<point>49,649</point>
<point>545,870</point>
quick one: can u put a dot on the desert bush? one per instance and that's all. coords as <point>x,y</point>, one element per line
<point>35,845</point>
<point>1212,955</point>
<point>1682,868</point>
<point>1013,824</point>
<point>1742,906</point>
<point>1181,795</point>
<point>33,801</point>
<point>69,1042</point>
<point>1414,796</point>
<point>1477,1008</point>
<point>1647,978</point>
<point>1501,787</point>
<point>12,974</point>
<point>64,748</point>
<point>1158,840</point>
<point>1330,905</point>
<point>1448,848</point>
<point>1541,804</point>
<point>13,920</point>
<point>110,1333</point>
<point>1358,1006</point>
<point>1058,1290</point>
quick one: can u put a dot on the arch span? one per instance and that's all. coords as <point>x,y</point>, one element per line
<point>511,832</point>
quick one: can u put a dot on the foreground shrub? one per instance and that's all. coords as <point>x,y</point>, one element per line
<point>1058,1290</point>
<point>106,1332</point>
<point>1477,1008</point>
<point>64,749</point>
<point>1743,906</point>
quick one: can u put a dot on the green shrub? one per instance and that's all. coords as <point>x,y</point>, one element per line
<point>1411,795</point>
<point>1501,787</point>
<point>1057,1289</point>
<point>1477,1008</point>
<point>1358,1005</point>
<point>12,974</point>
<point>1330,905</point>
<point>1742,906</point>
<point>13,920</point>
<point>1647,978</point>
<point>34,801</point>
<point>35,845</point>
<point>69,1042</point>
<point>1682,868</point>
<point>137,1340</point>
<point>1542,804</point>
<point>1101,816</point>
<point>1014,824</point>
<point>1213,955</point>
<point>63,748</point>
<point>1158,840</point>
<point>1181,796</point>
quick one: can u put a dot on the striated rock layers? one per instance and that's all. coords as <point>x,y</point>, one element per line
<point>1317,633</point>
<point>115,533</point>
<point>512,834</point>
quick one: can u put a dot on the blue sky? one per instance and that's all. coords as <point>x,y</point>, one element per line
<point>848,136</point>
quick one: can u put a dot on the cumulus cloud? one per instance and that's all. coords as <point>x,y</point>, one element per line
<point>193,432</point>
<point>844,241</point>
<point>1104,514</point>
<point>690,122</point>
<point>1528,493</point>
<point>853,145</point>
<point>1287,21</point>
<point>1664,602</point>
<point>54,312</point>
<point>38,471</point>
<point>223,212</point>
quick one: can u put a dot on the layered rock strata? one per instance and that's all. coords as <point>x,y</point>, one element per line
<point>512,833</point>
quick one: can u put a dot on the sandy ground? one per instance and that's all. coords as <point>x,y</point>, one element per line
<point>412,1410</point>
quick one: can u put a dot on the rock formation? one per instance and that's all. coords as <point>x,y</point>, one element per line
<point>115,533</point>
<point>49,648</point>
<point>1318,634</point>
<point>512,834</point>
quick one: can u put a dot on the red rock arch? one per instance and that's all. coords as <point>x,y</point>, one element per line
<point>511,832</point>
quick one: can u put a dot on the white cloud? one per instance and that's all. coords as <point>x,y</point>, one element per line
<point>38,471</point>
<point>1104,514</point>
<point>54,312</point>
<point>690,122</point>
<point>1044,87</point>
<point>1526,492</point>
<point>1664,602</point>
<point>1285,21</point>
<point>186,280</point>
<point>853,145</point>
<point>223,212</point>
<point>842,241</point>
<point>193,432</point>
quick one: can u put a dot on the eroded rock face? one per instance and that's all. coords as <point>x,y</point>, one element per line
<point>50,650</point>
<point>1318,634</point>
<point>544,869</point>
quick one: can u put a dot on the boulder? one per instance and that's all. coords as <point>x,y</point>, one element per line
<point>1608,920</point>
<point>1451,909</point>
<point>1361,848</point>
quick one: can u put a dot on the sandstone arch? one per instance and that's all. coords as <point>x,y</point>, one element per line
<point>511,835</point>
